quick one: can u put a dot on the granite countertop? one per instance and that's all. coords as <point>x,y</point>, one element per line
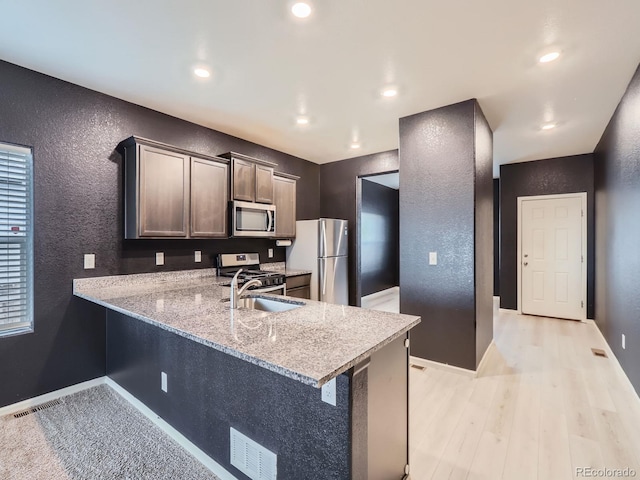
<point>280,267</point>
<point>312,344</point>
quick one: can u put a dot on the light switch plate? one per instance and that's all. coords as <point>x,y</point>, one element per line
<point>163,381</point>
<point>159,258</point>
<point>197,256</point>
<point>271,253</point>
<point>89,261</point>
<point>624,341</point>
<point>433,258</point>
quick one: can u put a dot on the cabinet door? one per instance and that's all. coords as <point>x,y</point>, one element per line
<point>284,198</point>
<point>264,184</point>
<point>300,292</point>
<point>209,198</point>
<point>244,180</point>
<point>163,193</point>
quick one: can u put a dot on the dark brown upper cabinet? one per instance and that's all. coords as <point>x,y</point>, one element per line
<point>264,184</point>
<point>284,198</point>
<point>251,178</point>
<point>243,180</point>
<point>209,198</point>
<point>173,193</point>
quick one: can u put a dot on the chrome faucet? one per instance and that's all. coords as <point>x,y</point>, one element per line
<point>236,294</point>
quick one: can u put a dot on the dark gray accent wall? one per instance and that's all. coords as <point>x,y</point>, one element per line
<point>617,187</point>
<point>496,237</point>
<point>379,238</point>
<point>210,391</point>
<point>446,205</point>
<point>541,177</point>
<point>338,197</point>
<point>78,209</point>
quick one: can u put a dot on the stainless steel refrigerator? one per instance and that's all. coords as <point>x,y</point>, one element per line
<point>321,246</point>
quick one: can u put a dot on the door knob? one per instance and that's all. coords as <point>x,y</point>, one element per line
<point>526,263</point>
<point>525,255</point>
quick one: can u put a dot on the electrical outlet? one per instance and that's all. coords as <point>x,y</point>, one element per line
<point>89,261</point>
<point>271,253</point>
<point>329,392</point>
<point>197,256</point>
<point>163,381</point>
<point>624,342</point>
<point>198,298</point>
<point>159,258</point>
<point>160,305</point>
<point>433,258</point>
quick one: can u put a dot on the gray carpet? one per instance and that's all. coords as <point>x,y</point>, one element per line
<point>94,434</point>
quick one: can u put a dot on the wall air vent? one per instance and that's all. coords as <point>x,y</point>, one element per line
<point>37,408</point>
<point>251,458</point>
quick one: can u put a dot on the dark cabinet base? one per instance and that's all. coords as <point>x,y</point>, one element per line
<point>300,292</point>
<point>209,392</point>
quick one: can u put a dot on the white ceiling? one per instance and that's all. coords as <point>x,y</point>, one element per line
<point>269,66</point>
<point>391,180</point>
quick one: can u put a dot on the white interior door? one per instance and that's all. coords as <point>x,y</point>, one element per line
<point>552,254</point>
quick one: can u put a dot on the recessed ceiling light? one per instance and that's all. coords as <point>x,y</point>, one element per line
<point>301,10</point>
<point>389,92</point>
<point>548,126</point>
<point>201,72</point>
<point>302,120</point>
<point>549,57</point>
<point>355,145</point>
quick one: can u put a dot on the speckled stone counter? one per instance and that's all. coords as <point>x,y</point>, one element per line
<point>311,344</point>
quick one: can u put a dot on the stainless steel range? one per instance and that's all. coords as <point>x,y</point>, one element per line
<point>230,263</point>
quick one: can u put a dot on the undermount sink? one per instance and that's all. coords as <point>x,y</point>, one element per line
<point>268,304</point>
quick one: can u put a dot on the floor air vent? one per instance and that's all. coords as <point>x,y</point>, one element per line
<point>35,409</point>
<point>418,367</point>
<point>598,352</point>
<point>251,458</point>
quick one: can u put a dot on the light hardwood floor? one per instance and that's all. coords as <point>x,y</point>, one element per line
<point>386,301</point>
<point>542,406</point>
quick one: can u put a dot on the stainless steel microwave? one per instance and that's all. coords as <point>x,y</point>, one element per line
<point>253,219</point>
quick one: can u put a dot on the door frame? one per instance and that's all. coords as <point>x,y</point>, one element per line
<point>358,229</point>
<point>583,198</point>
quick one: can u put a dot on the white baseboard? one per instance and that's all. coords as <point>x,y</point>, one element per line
<point>451,368</point>
<point>442,366</point>
<point>202,457</point>
<point>484,358</point>
<point>47,397</point>
<point>613,358</point>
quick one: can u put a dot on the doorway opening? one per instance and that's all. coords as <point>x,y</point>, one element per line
<point>378,241</point>
<point>552,251</point>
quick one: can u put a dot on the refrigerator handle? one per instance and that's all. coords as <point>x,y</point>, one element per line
<point>323,234</point>
<point>323,275</point>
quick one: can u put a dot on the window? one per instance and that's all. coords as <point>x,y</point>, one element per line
<point>16,240</point>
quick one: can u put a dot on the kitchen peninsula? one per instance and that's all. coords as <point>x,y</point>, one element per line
<point>260,372</point>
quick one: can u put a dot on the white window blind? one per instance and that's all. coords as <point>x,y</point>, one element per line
<point>16,239</point>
